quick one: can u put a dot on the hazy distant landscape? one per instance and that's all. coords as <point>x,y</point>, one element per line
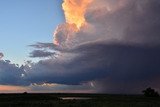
<point>52,48</point>
<point>96,100</point>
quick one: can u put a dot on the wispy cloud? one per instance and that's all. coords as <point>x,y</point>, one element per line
<point>41,54</point>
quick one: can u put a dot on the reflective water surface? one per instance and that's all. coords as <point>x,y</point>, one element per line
<point>75,98</point>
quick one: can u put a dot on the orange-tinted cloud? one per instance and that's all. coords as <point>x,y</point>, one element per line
<point>74,11</point>
<point>12,89</point>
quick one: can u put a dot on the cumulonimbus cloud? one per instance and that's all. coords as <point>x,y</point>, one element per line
<point>119,43</point>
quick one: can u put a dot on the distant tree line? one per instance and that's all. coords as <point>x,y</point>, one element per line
<point>149,92</point>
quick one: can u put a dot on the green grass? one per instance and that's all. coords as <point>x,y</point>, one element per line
<point>98,100</point>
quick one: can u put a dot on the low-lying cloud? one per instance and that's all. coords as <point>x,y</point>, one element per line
<point>11,74</point>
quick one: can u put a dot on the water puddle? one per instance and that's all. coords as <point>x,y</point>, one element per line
<point>75,98</point>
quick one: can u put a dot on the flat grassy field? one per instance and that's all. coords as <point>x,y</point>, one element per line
<point>92,100</point>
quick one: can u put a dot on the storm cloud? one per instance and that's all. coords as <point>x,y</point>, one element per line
<point>11,74</point>
<point>119,50</point>
<point>117,66</point>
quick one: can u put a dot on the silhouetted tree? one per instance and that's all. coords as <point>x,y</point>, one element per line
<point>25,93</point>
<point>149,92</point>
